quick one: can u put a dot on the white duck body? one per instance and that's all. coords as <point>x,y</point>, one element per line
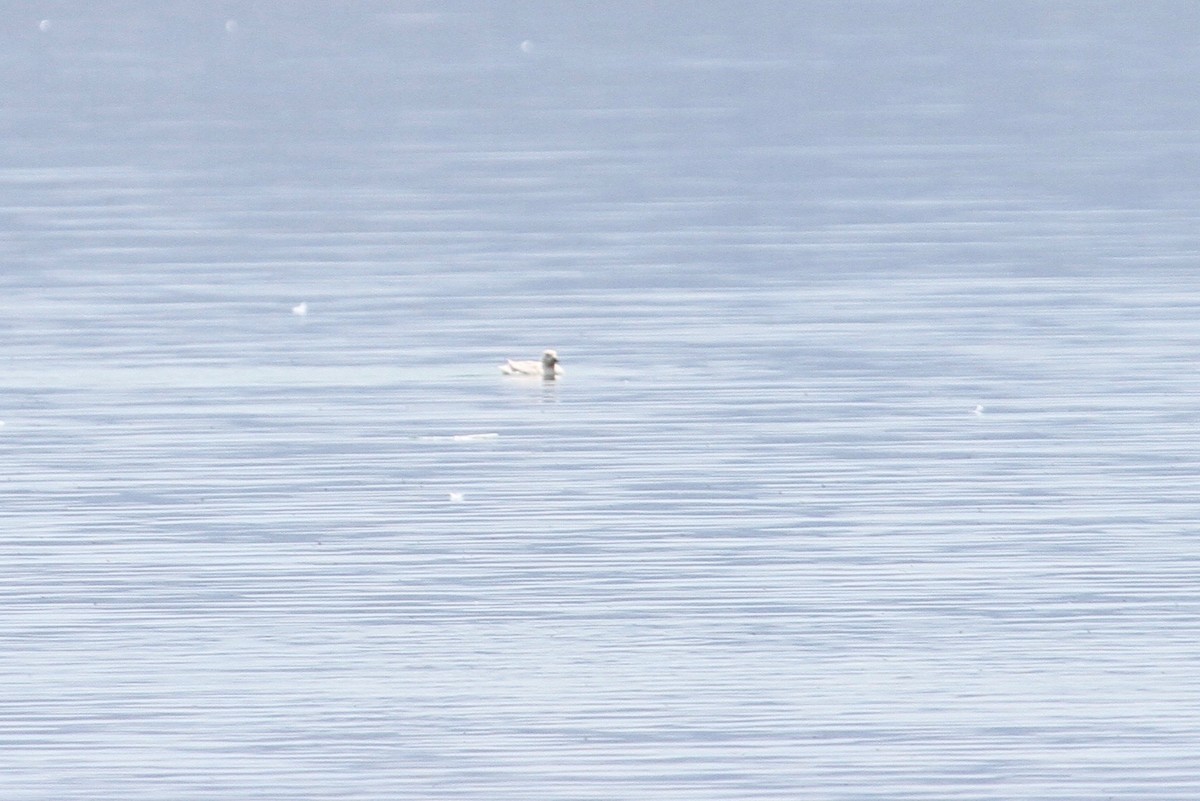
<point>548,368</point>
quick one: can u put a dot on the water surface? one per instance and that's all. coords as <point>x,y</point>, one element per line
<point>872,472</point>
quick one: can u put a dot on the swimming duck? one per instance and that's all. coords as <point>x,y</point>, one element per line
<point>548,368</point>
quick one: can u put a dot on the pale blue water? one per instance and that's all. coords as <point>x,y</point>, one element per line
<point>756,544</point>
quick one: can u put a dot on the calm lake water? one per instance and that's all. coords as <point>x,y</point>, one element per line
<point>873,473</point>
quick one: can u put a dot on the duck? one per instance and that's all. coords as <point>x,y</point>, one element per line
<point>548,368</point>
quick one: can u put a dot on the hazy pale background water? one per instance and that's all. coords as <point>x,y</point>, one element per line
<point>756,544</point>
